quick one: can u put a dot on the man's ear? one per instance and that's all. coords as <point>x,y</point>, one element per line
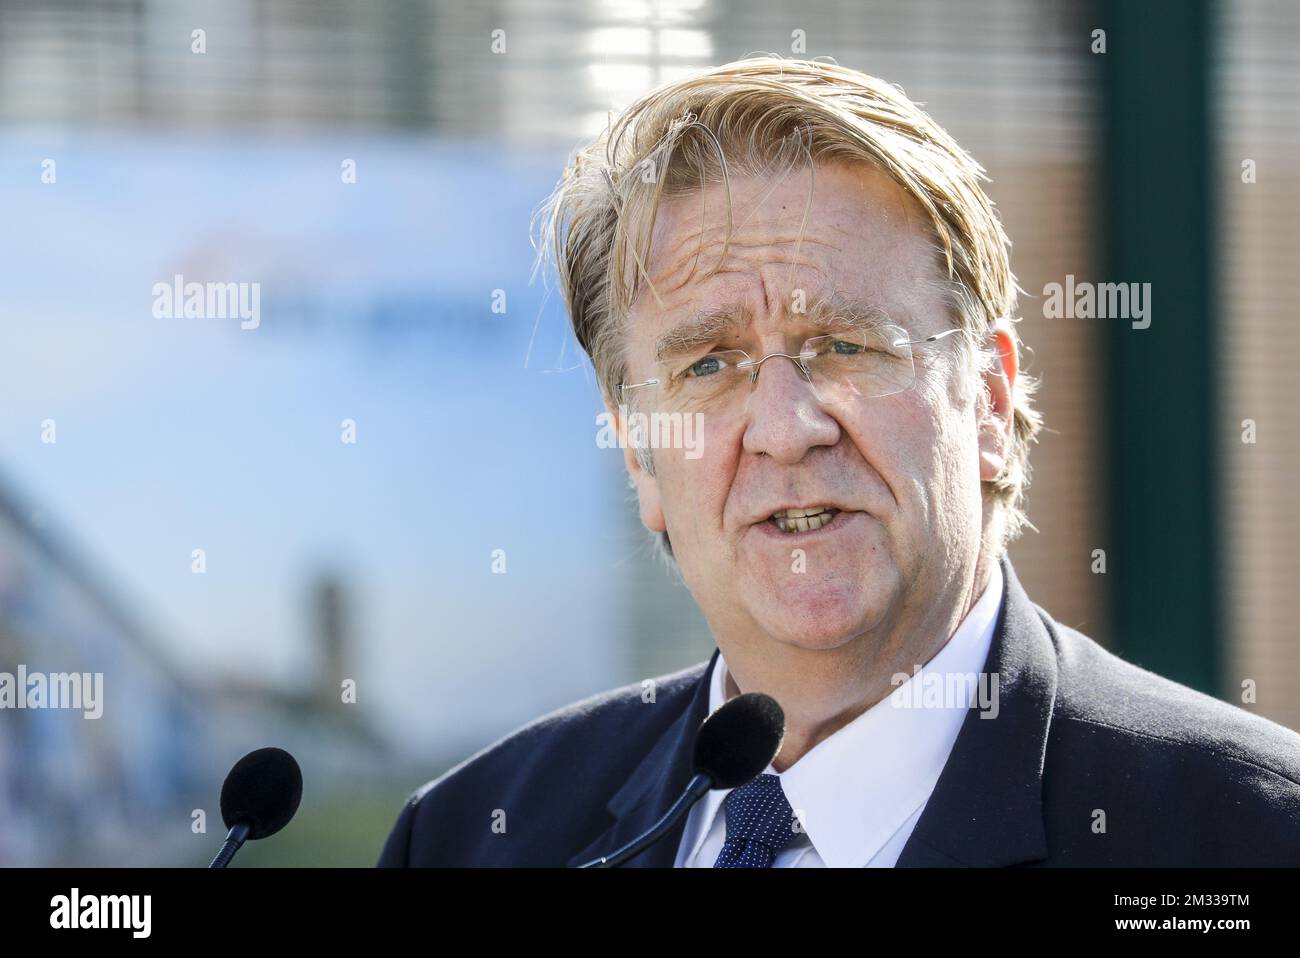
<point>647,487</point>
<point>994,412</point>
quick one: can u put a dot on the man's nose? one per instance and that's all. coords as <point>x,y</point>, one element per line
<point>784,416</point>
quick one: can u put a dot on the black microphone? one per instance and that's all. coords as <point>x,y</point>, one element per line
<point>258,798</point>
<point>733,746</point>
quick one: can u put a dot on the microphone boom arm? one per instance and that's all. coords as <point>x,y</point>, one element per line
<point>700,784</point>
<point>232,844</point>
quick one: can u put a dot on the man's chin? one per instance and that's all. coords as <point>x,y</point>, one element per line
<point>816,619</point>
<point>824,606</point>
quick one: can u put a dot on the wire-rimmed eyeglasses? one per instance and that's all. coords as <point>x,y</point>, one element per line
<point>840,367</point>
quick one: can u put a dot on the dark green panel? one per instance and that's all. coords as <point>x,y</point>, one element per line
<point>1161,385</point>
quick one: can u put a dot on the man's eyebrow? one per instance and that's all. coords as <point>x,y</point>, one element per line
<point>844,313</point>
<point>835,312</point>
<point>702,329</point>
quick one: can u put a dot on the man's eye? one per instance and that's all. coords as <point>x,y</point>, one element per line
<point>704,367</point>
<point>846,348</point>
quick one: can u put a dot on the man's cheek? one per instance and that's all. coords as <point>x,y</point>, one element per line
<point>694,511</point>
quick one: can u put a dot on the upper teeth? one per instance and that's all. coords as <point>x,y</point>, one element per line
<point>803,520</point>
<point>799,513</point>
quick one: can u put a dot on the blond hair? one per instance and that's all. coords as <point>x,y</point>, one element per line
<point>757,117</point>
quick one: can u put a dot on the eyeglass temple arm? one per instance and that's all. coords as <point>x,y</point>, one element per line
<point>623,387</point>
<point>928,339</point>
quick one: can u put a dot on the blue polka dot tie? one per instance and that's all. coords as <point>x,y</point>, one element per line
<point>760,822</point>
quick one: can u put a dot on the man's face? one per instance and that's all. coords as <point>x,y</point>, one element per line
<point>904,469</point>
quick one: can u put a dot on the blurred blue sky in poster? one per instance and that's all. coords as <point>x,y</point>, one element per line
<point>475,431</point>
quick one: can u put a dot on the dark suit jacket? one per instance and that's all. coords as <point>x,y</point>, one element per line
<point>1181,778</point>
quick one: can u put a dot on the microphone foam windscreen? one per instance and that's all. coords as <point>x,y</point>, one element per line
<point>738,741</point>
<point>262,790</point>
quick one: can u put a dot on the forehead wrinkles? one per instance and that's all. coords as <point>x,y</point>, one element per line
<point>784,219</point>
<point>694,224</point>
<point>856,208</point>
<point>693,252</point>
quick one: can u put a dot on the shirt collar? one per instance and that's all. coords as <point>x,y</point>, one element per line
<point>857,787</point>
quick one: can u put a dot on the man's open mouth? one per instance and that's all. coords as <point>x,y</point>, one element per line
<point>803,520</point>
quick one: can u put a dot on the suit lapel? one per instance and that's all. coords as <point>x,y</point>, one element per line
<point>987,807</point>
<point>653,787</point>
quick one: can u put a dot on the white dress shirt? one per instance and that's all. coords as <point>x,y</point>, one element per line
<point>859,792</point>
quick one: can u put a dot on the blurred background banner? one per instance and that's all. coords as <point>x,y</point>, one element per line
<point>364,516</point>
